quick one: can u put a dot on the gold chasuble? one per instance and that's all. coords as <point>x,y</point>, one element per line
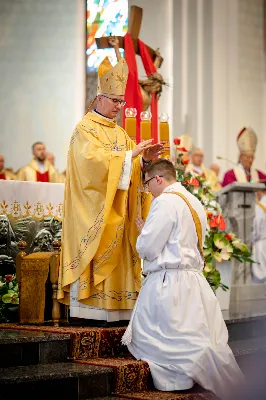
<point>31,173</point>
<point>99,232</point>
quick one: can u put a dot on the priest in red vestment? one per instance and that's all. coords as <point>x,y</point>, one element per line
<point>39,169</point>
<point>5,173</point>
<point>243,171</point>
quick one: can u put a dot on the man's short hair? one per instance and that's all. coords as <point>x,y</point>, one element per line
<point>35,144</point>
<point>161,167</point>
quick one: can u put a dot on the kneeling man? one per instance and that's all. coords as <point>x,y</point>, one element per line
<point>177,325</point>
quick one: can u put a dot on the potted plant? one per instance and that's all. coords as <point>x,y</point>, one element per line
<point>9,298</point>
<point>220,246</point>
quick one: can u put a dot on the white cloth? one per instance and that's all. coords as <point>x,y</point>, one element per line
<point>37,199</point>
<point>84,311</point>
<point>259,243</point>
<point>177,324</point>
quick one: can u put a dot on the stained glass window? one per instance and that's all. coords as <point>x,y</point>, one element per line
<point>104,17</point>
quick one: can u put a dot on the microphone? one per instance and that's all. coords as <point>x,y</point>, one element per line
<point>237,165</point>
<point>226,159</point>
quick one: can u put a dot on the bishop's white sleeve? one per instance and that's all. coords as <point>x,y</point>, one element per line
<point>126,172</point>
<point>156,231</point>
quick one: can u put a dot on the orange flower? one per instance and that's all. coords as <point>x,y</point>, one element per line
<point>185,160</point>
<point>218,222</point>
<point>209,214</point>
<point>177,141</point>
<point>192,181</point>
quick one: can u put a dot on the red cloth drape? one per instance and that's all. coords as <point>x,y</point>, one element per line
<point>133,94</point>
<point>42,177</point>
<point>150,69</point>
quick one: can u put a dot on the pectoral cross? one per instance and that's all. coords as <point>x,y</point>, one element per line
<point>134,25</point>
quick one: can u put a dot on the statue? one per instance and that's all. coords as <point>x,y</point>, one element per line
<point>151,85</point>
<point>25,229</point>
<point>8,246</point>
<point>43,241</point>
<point>7,265</point>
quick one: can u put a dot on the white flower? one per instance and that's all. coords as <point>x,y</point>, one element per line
<point>1,284</point>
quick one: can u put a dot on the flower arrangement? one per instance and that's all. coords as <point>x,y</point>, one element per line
<point>219,244</point>
<point>9,297</point>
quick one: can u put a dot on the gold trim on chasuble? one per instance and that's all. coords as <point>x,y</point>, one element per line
<point>262,206</point>
<point>105,258</point>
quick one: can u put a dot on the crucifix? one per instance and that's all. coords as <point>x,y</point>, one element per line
<point>141,94</point>
<point>154,82</point>
<point>134,25</point>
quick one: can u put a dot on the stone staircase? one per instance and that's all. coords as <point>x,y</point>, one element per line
<point>40,365</point>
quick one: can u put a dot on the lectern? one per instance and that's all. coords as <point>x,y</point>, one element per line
<point>238,205</point>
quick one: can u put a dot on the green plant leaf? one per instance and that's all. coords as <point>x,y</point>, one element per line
<point>241,246</point>
<point>220,241</point>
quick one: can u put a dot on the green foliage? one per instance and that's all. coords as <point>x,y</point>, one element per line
<point>219,245</point>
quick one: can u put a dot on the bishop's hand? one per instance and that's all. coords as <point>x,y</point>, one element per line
<point>140,223</point>
<point>152,152</point>
<point>141,147</point>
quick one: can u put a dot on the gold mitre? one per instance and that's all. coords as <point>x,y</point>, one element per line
<point>186,141</point>
<point>112,80</point>
<point>247,141</point>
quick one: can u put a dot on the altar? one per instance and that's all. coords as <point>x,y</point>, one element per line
<point>30,212</point>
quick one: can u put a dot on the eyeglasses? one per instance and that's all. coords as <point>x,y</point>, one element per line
<point>116,101</point>
<point>148,180</point>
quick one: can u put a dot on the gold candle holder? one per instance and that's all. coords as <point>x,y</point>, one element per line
<point>145,125</point>
<point>131,123</point>
<point>164,135</point>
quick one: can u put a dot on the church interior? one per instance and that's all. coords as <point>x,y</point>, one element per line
<point>99,90</point>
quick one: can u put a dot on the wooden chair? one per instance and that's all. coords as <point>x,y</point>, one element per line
<point>33,271</point>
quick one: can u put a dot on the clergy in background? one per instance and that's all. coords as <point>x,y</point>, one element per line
<point>177,325</point>
<point>243,171</point>
<point>5,173</point>
<point>39,169</point>
<point>259,239</point>
<point>197,167</point>
<point>100,268</point>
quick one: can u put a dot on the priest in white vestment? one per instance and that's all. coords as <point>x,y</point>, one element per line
<point>177,325</point>
<point>259,239</point>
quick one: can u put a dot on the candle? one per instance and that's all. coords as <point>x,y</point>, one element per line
<point>131,123</point>
<point>164,135</point>
<point>145,125</point>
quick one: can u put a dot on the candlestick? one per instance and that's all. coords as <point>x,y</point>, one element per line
<point>131,123</point>
<point>164,135</point>
<point>145,125</point>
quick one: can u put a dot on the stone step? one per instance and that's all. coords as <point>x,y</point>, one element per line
<point>26,345</point>
<point>29,347</point>
<point>246,328</point>
<point>66,381</point>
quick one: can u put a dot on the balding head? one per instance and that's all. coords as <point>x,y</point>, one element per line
<point>2,162</point>
<point>197,156</point>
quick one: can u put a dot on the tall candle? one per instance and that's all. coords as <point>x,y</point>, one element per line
<point>131,123</point>
<point>164,135</point>
<point>145,125</point>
